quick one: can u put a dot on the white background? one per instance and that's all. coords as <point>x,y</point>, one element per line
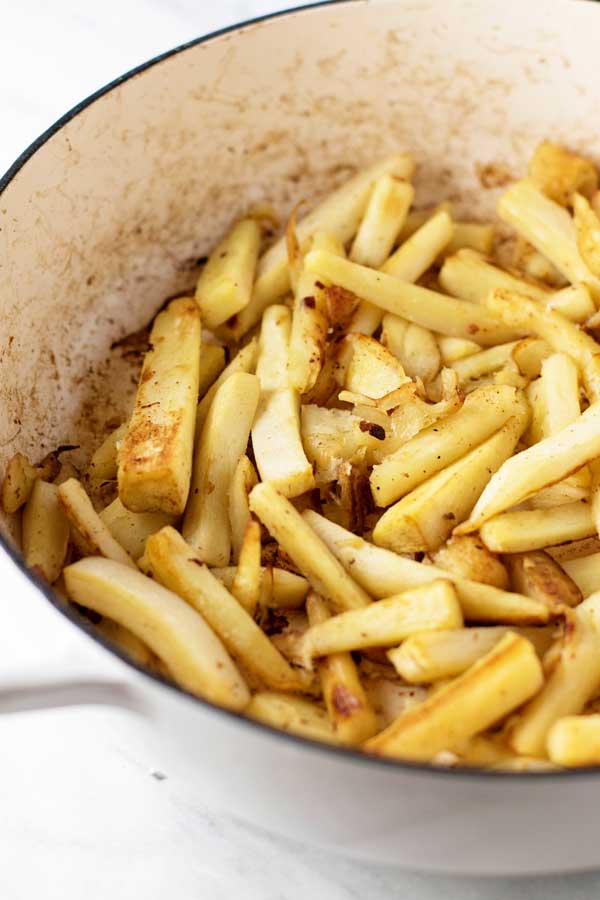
<point>81,815</point>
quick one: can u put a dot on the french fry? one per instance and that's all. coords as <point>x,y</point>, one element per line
<point>383,573</point>
<point>370,368</point>
<point>248,576</point>
<point>212,363</point>
<point>417,217</point>
<point>172,563</point>
<point>470,276</point>
<point>206,521</point>
<point>573,302</point>
<point>306,351</point>
<point>563,336</point>
<point>243,361</point>
<point>104,462</point>
<point>574,549</point>
<point>155,459</point>
<point>45,531</point>
<point>508,675</point>
<point>293,714</point>
<point>435,655</point>
<point>420,251</point>
<point>180,637</point>
<point>529,354</point>
<point>484,362</point>
<point>288,590</point>
<point>19,479</point>
<point>307,550</point>
<point>382,222</point>
<point>533,529</point>
<point>452,349</point>
<point>575,741</point>
<point>276,440</point>
<point>472,236</point>
<point>543,464</point>
<point>424,518</point>
<point>537,575</point>
<point>225,284</point>
<point>386,622</point>
<point>559,173</point>
<point>432,449</point>
<point>350,711</point>
<point>78,507</point>
<point>242,481</point>
<point>468,557</point>
<point>587,225</point>
<point>417,304</point>
<point>339,214</point>
<point>366,319</point>
<point>549,228</point>
<point>128,643</point>
<point>415,347</point>
<point>585,572</point>
<point>131,530</point>
<point>574,679</point>
<point>571,490</point>
<point>535,265</point>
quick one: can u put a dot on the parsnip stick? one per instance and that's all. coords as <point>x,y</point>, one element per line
<point>587,226</point>
<point>370,368</point>
<point>296,537</point>
<point>293,714</point>
<point>559,173</point>
<point>452,349</point>
<point>585,572</point>
<point>243,361</point>
<point>192,652</point>
<point>522,530</point>
<point>420,251</point>
<point>308,335</point>
<point>386,622</point>
<point>575,741</point>
<point>225,284</point>
<point>78,507</point>
<point>224,440</point>
<point>212,363</point>
<point>432,449</point>
<point>549,228</point>
<point>536,574</point>
<point>248,576</point>
<point>288,590</point>
<point>131,530</point>
<point>467,556</point>
<point>19,479</point>
<point>339,214</point>
<point>543,464</point>
<point>45,531</point>
<point>491,688</point>
<point>573,681</point>
<point>173,563</point>
<point>383,574</point>
<point>415,347</point>
<point>276,440</point>
<point>573,302</point>
<point>424,518</point>
<point>470,276</point>
<point>382,222</point>
<point>484,362</point>
<point>155,459</point>
<point>104,462</point>
<point>471,235</point>
<point>417,304</point>
<point>242,481</point>
<point>349,709</point>
<point>433,655</point>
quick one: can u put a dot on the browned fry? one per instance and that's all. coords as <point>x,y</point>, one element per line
<point>468,557</point>
<point>537,575</point>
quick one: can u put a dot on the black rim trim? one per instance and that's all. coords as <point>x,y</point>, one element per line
<point>347,754</point>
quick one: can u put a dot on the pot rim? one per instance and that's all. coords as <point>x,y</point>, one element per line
<point>347,754</point>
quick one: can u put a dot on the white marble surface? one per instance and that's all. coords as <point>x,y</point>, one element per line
<point>81,813</point>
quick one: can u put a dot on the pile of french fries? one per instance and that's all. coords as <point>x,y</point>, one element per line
<point>358,495</point>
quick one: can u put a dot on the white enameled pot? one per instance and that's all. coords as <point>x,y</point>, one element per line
<point>107,214</point>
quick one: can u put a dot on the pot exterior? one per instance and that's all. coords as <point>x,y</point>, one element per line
<point>110,214</point>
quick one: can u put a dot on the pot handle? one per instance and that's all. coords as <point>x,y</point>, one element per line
<point>47,662</point>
